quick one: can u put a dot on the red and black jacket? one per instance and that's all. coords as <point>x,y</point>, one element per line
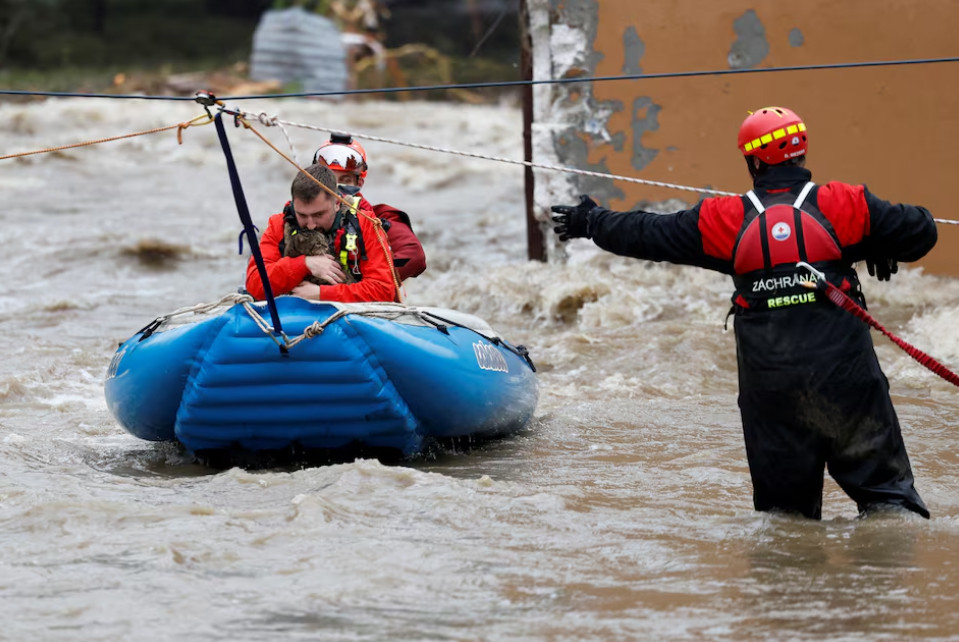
<point>409,259</point>
<point>840,224</point>
<point>370,260</point>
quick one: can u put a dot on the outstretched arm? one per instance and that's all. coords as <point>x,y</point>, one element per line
<point>676,237</point>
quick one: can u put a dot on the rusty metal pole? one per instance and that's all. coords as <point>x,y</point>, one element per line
<point>535,248</point>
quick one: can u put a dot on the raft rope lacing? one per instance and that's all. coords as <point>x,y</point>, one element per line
<point>382,310</point>
<point>235,298</point>
<point>202,308</point>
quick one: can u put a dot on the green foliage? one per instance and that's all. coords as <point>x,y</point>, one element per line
<point>321,7</point>
<point>86,33</point>
<point>82,45</point>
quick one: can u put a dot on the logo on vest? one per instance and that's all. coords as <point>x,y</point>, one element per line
<point>781,231</point>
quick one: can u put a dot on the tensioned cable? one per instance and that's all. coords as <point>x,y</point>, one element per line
<point>274,120</point>
<point>73,94</point>
<point>564,81</point>
<point>506,83</point>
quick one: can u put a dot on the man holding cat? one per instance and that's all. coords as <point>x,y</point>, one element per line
<point>318,248</point>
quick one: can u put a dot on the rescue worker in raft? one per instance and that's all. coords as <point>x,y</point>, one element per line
<point>348,161</point>
<point>811,392</point>
<point>351,260</point>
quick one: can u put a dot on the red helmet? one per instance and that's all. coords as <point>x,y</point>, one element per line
<point>342,154</point>
<point>773,135</point>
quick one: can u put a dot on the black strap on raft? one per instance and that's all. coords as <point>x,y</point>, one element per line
<point>519,351</point>
<point>842,300</point>
<point>249,230</point>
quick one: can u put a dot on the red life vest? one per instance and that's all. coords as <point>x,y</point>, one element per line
<point>778,232</point>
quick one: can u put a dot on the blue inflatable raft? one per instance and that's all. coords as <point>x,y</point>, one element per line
<point>383,376</point>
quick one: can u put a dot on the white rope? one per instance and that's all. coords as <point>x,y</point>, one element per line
<point>267,329</point>
<point>382,310</point>
<point>315,329</point>
<point>270,121</point>
<point>386,311</point>
<point>200,308</point>
<point>556,168</point>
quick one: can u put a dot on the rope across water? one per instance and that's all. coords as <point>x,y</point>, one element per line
<point>276,121</point>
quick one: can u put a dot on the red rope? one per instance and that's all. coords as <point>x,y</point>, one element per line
<point>841,299</point>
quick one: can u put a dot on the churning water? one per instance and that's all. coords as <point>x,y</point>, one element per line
<point>623,512</point>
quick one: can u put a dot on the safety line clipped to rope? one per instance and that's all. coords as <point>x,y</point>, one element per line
<point>179,137</point>
<point>842,300</point>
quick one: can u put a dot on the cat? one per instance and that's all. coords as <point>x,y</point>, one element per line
<point>299,241</point>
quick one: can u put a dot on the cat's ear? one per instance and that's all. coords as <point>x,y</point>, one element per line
<point>289,214</point>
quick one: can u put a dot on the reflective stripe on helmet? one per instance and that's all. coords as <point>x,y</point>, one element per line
<point>773,134</point>
<point>776,135</point>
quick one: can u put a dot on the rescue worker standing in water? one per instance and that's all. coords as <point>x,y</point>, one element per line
<point>811,392</point>
<point>354,244</point>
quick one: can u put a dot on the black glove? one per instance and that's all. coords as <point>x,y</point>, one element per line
<point>571,219</point>
<point>882,269</point>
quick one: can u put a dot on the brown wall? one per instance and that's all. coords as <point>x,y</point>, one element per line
<point>894,128</point>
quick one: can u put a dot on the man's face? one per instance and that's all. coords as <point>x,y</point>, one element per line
<point>347,178</point>
<point>316,214</point>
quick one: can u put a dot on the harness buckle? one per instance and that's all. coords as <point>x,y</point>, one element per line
<point>351,243</point>
<point>820,276</point>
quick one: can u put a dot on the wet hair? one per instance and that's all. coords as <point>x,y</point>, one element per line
<point>305,188</point>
